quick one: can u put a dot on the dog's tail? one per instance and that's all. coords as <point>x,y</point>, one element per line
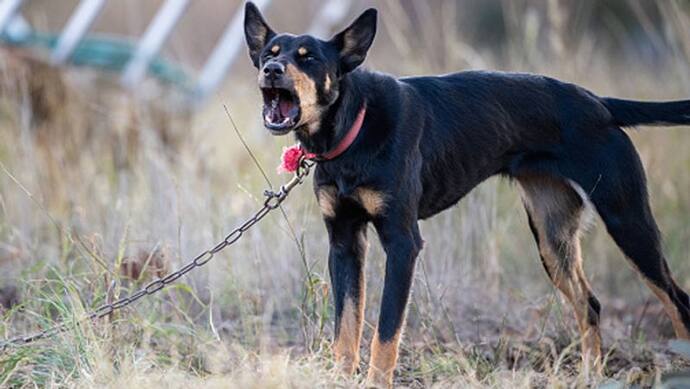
<point>628,113</point>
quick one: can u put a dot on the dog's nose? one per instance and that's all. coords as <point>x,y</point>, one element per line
<point>274,70</point>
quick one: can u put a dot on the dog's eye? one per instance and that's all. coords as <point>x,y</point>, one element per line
<point>308,58</point>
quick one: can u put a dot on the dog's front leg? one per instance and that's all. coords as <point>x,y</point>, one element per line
<point>348,246</point>
<point>401,241</point>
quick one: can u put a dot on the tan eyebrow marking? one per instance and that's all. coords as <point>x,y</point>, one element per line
<point>275,49</point>
<point>302,51</point>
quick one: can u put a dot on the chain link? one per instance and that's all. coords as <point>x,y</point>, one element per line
<point>273,201</point>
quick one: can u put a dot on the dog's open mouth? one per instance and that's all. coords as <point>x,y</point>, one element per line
<point>281,110</point>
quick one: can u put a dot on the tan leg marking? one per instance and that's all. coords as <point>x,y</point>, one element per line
<point>347,342</point>
<point>327,197</point>
<point>310,111</point>
<point>591,334</point>
<point>556,211</point>
<point>374,202</point>
<point>384,357</point>
<point>348,338</point>
<point>577,292</point>
<point>671,310</point>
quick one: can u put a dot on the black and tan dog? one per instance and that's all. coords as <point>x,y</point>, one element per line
<point>394,151</point>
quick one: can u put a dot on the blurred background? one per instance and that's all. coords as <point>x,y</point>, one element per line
<point>105,184</point>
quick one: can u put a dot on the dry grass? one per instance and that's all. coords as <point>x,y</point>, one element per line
<point>98,190</point>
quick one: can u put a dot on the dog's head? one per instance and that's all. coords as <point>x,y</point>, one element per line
<point>299,76</point>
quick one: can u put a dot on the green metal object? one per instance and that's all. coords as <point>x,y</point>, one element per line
<point>106,53</point>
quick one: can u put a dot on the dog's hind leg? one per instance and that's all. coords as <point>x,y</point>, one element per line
<point>555,211</point>
<point>638,238</point>
<point>622,202</point>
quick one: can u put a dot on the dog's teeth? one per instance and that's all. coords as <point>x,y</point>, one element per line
<point>274,103</point>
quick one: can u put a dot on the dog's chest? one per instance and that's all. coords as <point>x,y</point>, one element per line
<point>334,203</point>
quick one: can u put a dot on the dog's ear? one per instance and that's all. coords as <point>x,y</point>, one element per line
<point>354,42</point>
<point>256,31</point>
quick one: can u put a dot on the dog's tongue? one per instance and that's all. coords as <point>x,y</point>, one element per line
<point>280,109</point>
<point>285,107</point>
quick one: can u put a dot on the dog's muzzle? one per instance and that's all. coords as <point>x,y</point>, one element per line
<point>281,104</point>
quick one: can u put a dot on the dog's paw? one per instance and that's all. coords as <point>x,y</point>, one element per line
<point>379,379</point>
<point>347,365</point>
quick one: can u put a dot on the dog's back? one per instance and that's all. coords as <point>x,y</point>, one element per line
<point>476,123</point>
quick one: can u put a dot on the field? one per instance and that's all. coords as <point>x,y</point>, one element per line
<point>100,192</point>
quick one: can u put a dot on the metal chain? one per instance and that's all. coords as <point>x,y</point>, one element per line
<point>273,201</point>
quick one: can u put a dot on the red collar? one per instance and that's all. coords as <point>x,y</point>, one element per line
<point>293,156</point>
<point>344,143</point>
